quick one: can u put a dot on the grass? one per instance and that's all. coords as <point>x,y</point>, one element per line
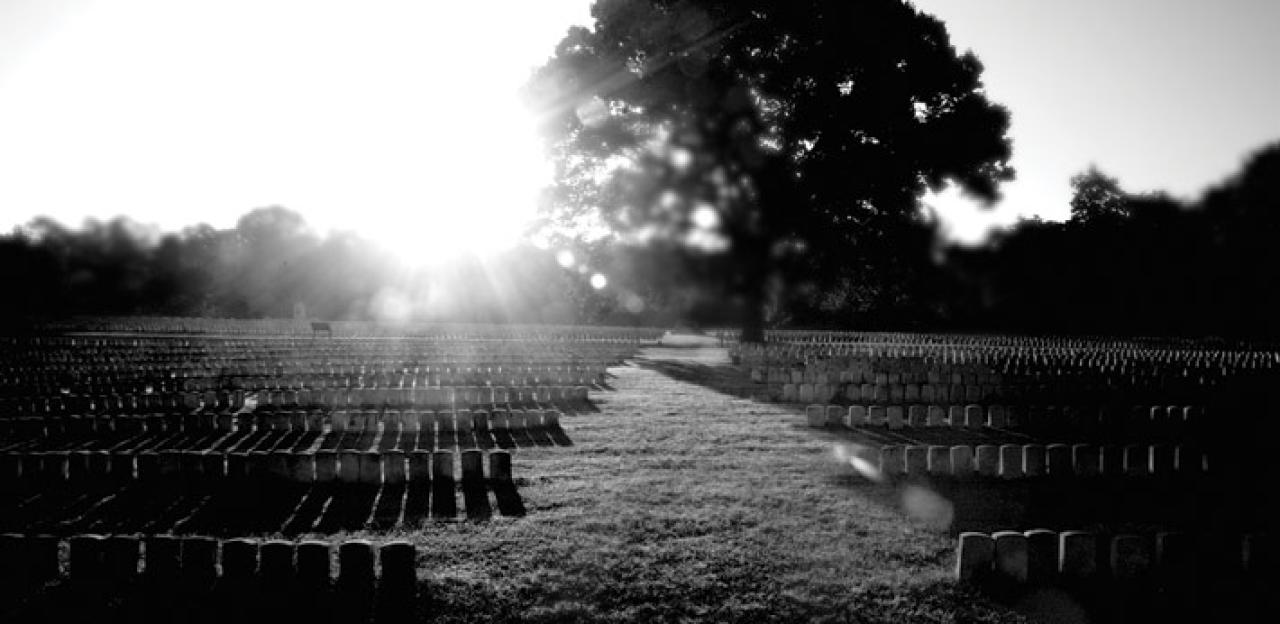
<point>680,503</point>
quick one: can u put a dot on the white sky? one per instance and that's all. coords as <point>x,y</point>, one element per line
<point>1163,94</point>
<point>399,118</point>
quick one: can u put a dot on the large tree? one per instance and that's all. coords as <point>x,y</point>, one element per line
<point>771,140</point>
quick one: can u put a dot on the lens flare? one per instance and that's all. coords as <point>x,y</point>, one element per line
<point>565,258</point>
<point>706,217</point>
<point>861,458</point>
<point>928,506</point>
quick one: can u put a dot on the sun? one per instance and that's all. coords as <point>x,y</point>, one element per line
<point>477,189</point>
<point>399,121</point>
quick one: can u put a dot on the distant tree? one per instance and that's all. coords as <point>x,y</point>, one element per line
<point>267,253</point>
<point>1097,197</point>
<point>774,141</point>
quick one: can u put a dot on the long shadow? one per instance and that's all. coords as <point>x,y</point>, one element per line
<point>390,436</point>
<point>502,438</point>
<point>447,440</point>
<point>38,512</point>
<point>231,440</point>
<point>389,507</point>
<point>557,435</point>
<point>417,504</point>
<point>444,503</point>
<point>349,509</point>
<point>78,519</point>
<point>476,499</point>
<point>483,439</point>
<point>1141,505</point>
<point>251,439</point>
<point>202,441</point>
<point>289,440</point>
<point>235,507</point>
<point>580,406</point>
<point>465,439</point>
<point>305,441</point>
<point>724,378</point>
<point>309,509</point>
<point>508,499</point>
<point>426,440</point>
<point>331,440</point>
<point>538,436</point>
<point>520,437</point>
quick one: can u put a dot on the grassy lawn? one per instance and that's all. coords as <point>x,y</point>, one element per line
<point>680,500</point>
<point>680,503</point>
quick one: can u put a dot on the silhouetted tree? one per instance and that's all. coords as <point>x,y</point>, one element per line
<point>1097,196</point>
<point>271,260</point>
<point>1141,264</point>
<point>789,139</point>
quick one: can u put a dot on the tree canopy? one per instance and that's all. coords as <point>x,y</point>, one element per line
<point>270,261</point>
<point>1141,264</point>
<point>1097,196</point>
<point>767,142</point>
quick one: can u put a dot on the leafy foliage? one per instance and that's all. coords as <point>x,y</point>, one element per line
<point>266,264</point>
<point>784,138</point>
<point>1097,197</point>
<point>1142,264</point>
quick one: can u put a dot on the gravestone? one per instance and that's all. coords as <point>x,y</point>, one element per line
<point>976,557</point>
<point>1011,556</point>
<point>940,460</point>
<point>1010,461</point>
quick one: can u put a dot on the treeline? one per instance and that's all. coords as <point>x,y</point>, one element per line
<point>1131,264</point>
<point>267,265</point>
<point>1137,264</point>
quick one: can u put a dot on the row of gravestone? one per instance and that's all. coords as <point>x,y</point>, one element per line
<point>167,560</point>
<point>186,380</point>
<point>47,468</point>
<point>443,421</point>
<point>1044,557</point>
<point>439,396</point>
<point>1016,376</point>
<point>919,346</point>
<point>938,375</point>
<point>436,396</point>
<point>1017,461</point>
<point>435,331</point>
<point>820,372</point>
<point>1138,417</point>
<point>790,392</point>
<point>247,363</point>
<point>894,394</point>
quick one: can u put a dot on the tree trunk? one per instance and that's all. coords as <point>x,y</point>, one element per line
<point>754,313</point>
<point>753,323</point>
<point>759,264</point>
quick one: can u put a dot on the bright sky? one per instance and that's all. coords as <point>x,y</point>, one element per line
<point>399,119</point>
<point>1162,94</point>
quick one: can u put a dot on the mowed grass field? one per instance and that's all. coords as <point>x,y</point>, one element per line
<point>679,502</point>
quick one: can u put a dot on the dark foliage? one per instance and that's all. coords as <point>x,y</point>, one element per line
<point>778,149</point>
<point>266,265</point>
<point>1141,264</point>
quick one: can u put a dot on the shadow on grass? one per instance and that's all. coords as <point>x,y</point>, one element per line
<point>722,378</point>
<point>245,507</point>
<point>1104,505</point>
